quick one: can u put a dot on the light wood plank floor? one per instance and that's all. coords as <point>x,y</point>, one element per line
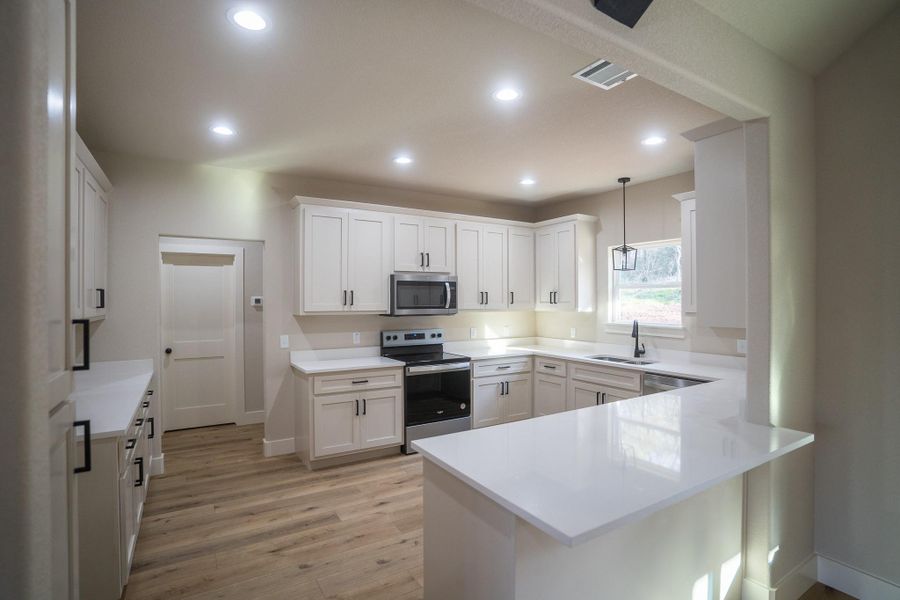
<point>224,522</point>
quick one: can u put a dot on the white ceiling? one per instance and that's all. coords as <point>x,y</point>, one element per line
<point>809,34</point>
<point>336,88</point>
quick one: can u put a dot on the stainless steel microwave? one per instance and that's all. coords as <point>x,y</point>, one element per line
<point>422,294</point>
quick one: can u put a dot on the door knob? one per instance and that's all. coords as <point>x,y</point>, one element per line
<point>168,351</point>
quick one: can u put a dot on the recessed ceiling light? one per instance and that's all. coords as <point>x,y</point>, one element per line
<point>403,159</point>
<point>222,130</point>
<point>248,19</point>
<point>507,94</point>
<point>653,140</point>
<point>527,181</point>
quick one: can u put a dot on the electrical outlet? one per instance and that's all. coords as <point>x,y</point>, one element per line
<point>285,342</point>
<point>742,346</point>
<point>356,337</point>
<point>473,333</point>
<point>572,332</point>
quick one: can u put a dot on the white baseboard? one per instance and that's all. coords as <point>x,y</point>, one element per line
<point>278,447</point>
<point>852,581</point>
<point>250,418</point>
<point>158,464</point>
<point>791,586</point>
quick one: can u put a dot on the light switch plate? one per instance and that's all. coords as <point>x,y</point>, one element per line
<point>355,337</point>
<point>473,333</point>
<point>285,342</point>
<point>742,346</point>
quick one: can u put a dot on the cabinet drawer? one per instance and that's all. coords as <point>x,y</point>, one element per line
<point>502,366</point>
<point>611,376</point>
<point>357,380</point>
<point>550,366</point>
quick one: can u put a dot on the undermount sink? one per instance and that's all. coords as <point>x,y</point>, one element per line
<point>619,359</point>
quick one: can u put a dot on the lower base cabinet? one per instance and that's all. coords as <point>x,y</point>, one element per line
<point>501,399</point>
<point>549,394</point>
<point>583,394</point>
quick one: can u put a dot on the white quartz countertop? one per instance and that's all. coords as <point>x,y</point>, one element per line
<point>109,394</point>
<point>578,474</point>
<point>344,364</point>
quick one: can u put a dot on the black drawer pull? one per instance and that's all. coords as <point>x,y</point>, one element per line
<point>86,424</point>
<point>364,406</point>
<point>85,344</point>
<point>358,381</point>
<point>139,422</point>
<point>130,443</point>
<point>549,366</point>
<point>145,403</point>
<point>152,433</point>
<point>102,298</point>
<point>500,368</point>
<point>149,392</point>
<point>139,461</point>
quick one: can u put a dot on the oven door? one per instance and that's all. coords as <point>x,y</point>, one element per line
<point>437,393</point>
<point>422,294</point>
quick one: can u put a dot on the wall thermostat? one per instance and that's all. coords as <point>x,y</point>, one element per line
<point>255,300</point>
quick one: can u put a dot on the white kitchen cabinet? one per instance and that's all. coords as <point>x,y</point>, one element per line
<point>549,394</point>
<point>721,227</point>
<point>382,418</point>
<point>423,244</point>
<point>518,397</point>
<point>88,236</point>
<point>565,259</point>
<point>520,261</point>
<point>591,385</point>
<point>344,261</point>
<point>501,399</point>
<point>347,413</point>
<point>688,251</point>
<point>336,424</point>
<point>481,265</point>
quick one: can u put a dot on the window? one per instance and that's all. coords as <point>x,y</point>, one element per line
<point>652,292</point>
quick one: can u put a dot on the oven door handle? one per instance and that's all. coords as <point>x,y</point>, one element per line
<point>447,287</point>
<point>426,369</point>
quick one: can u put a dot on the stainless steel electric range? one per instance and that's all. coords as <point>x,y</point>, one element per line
<point>436,384</point>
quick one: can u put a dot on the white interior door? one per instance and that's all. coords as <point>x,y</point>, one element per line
<point>201,326</point>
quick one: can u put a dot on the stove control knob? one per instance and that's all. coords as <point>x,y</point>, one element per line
<point>440,335</point>
<point>433,335</point>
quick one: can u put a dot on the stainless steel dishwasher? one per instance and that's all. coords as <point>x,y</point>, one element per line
<point>654,382</point>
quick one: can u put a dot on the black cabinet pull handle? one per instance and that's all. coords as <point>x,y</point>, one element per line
<point>358,381</point>
<point>139,422</point>
<point>85,344</point>
<point>86,424</point>
<point>364,406</point>
<point>139,461</point>
<point>501,367</point>
<point>102,298</point>
<point>428,259</point>
<point>597,399</point>
<point>421,259</point>
<point>145,403</point>
<point>549,366</point>
<point>130,443</point>
<point>149,392</point>
<point>487,298</point>
<point>512,297</point>
<point>357,408</point>
<point>603,398</point>
<point>345,297</point>
<point>152,433</point>
<point>351,297</point>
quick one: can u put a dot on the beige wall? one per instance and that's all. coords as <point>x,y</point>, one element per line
<point>652,214</point>
<point>858,305</point>
<point>152,198</point>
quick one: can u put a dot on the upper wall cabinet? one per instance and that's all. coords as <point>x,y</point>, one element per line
<point>423,244</point>
<point>688,251</point>
<point>88,236</point>
<point>481,266</point>
<point>565,256</point>
<point>343,260</point>
<point>520,261</point>
<point>720,239</point>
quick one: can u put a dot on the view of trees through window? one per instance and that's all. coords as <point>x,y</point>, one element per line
<point>652,292</point>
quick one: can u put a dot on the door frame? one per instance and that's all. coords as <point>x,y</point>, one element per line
<point>238,409</point>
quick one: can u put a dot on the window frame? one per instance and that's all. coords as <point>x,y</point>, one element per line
<point>648,328</point>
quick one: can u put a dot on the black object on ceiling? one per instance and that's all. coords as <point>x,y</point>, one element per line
<point>626,12</point>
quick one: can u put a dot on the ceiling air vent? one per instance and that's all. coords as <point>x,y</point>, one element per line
<point>604,74</point>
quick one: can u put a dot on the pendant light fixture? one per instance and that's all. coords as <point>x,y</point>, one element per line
<point>624,257</point>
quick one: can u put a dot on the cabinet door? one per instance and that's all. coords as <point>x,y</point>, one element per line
<point>689,256</point>
<point>336,423</point>
<point>325,232</point>
<point>76,242</point>
<point>369,261</point>
<point>381,422</point>
<point>583,394</point>
<point>549,394</point>
<point>91,200</point>
<point>565,267</point>
<point>126,518</point>
<point>493,267</point>
<point>408,243</point>
<point>608,395</point>
<point>101,249</point>
<point>518,396</point>
<point>439,247</point>
<point>487,407</point>
<point>520,258</point>
<point>469,295</point>
<point>546,272</point>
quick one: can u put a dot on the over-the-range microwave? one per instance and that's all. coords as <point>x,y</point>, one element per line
<point>422,294</point>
